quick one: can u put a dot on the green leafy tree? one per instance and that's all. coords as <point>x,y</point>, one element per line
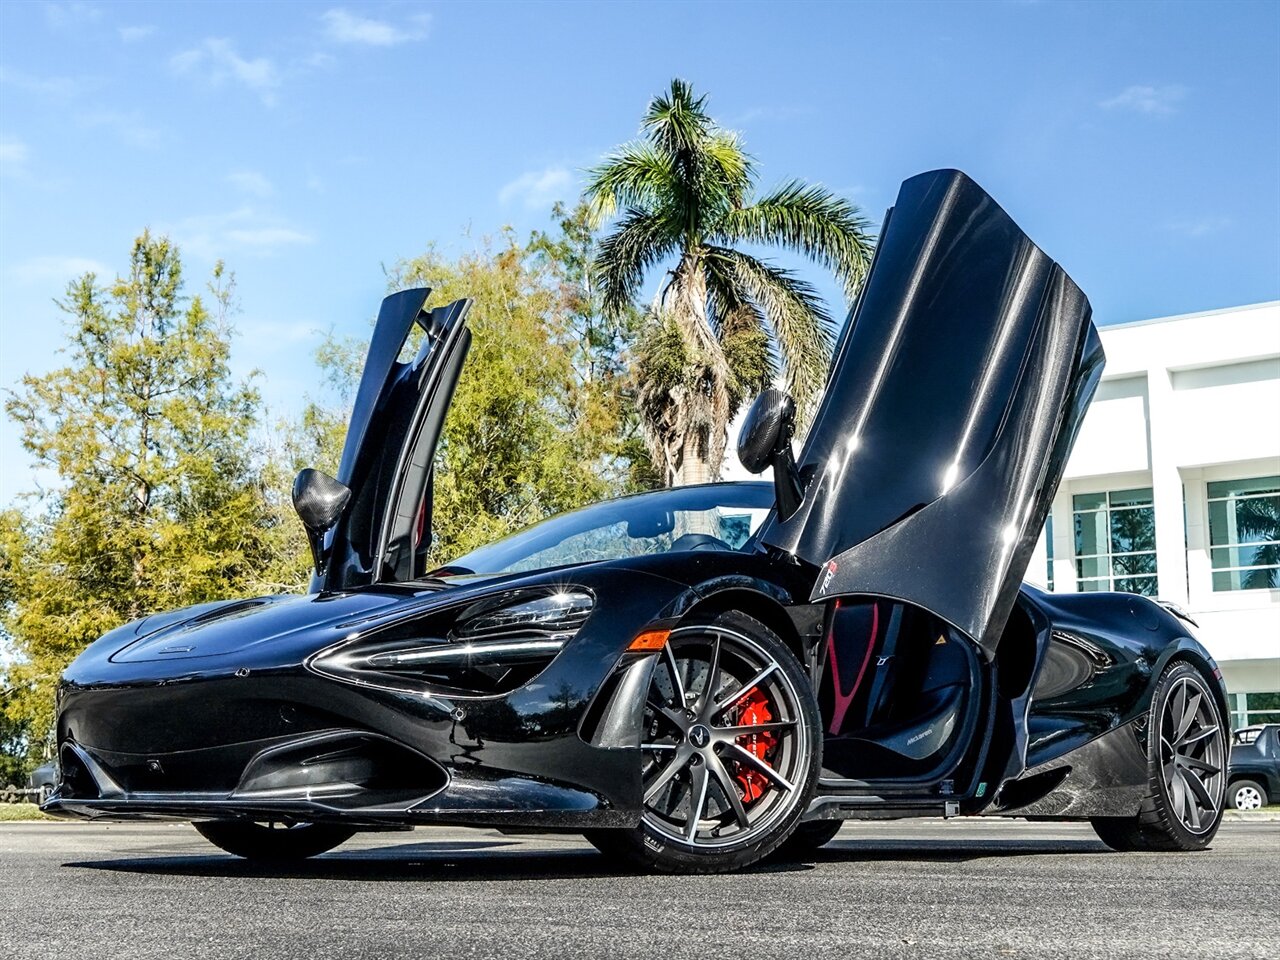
<point>15,748</point>
<point>724,318</point>
<point>312,438</point>
<point>157,502</point>
<point>538,421</point>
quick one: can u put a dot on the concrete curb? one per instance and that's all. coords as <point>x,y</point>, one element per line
<point>1269,814</point>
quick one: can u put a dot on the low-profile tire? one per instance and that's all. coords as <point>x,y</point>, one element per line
<point>1186,770</point>
<point>273,841</point>
<point>731,749</point>
<point>807,838</point>
<point>1247,795</point>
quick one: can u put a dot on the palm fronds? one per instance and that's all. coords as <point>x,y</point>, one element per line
<point>684,190</point>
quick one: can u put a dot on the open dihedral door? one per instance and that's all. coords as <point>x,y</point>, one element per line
<point>395,424</point>
<point>955,397</point>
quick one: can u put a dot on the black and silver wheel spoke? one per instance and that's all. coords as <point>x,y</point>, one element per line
<point>730,699</point>
<point>668,773</point>
<point>1192,756</point>
<point>751,760</point>
<point>699,781</point>
<point>730,789</point>
<point>732,733</point>
<point>677,681</point>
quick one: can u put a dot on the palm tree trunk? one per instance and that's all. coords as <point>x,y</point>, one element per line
<point>706,419</point>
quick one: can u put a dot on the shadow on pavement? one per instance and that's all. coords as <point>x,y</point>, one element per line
<point>463,860</point>
<point>951,850</point>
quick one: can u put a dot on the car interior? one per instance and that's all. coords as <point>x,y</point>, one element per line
<point>898,693</point>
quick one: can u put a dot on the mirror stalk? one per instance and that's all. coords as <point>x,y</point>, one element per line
<point>787,490</point>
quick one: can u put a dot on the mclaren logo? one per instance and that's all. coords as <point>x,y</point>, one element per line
<point>919,736</point>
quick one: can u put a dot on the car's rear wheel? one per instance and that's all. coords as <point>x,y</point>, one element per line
<point>731,750</point>
<point>1186,761</point>
<point>1247,795</point>
<point>273,841</point>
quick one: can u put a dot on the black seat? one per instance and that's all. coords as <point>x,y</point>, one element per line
<point>895,690</point>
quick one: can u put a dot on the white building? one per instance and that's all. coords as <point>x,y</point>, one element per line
<point>1173,488</point>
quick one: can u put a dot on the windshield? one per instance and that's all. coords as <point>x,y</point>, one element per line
<point>720,516</point>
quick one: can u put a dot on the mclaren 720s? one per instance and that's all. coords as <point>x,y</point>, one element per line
<point>697,677</point>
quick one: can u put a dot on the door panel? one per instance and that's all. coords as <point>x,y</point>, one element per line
<point>395,425</point>
<point>952,407</point>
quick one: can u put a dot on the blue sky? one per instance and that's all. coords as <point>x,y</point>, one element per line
<point>310,144</point>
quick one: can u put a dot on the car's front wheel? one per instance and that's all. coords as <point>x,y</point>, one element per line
<point>273,841</point>
<point>1247,795</point>
<point>731,750</point>
<point>1186,770</point>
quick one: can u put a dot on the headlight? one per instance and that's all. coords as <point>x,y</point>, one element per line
<point>565,610</point>
<point>490,648</point>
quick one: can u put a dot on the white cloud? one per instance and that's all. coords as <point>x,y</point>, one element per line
<point>251,182</point>
<point>129,127</point>
<point>60,15</point>
<point>14,155</point>
<point>538,188</point>
<point>61,87</point>
<point>134,34</point>
<point>13,152</point>
<point>60,270</point>
<point>344,27</point>
<point>218,60</point>
<point>215,235</point>
<point>1199,226</point>
<point>1143,98</point>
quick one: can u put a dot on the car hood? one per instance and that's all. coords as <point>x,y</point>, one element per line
<point>237,626</point>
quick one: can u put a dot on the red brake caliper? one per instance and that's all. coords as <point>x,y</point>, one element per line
<point>754,709</point>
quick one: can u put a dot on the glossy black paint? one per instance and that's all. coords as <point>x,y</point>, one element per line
<point>969,348</point>
<point>395,423</point>
<point>959,385</point>
<point>1083,747</point>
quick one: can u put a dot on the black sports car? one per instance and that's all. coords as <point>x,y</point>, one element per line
<point>694,677</point>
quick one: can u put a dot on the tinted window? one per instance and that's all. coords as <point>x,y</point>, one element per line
<point>713,517</point>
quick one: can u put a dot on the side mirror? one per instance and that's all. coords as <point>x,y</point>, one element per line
<point>319,501</point>
<point>765,440</point>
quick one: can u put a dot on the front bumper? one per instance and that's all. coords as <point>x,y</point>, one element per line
<point>343,776</point>
<point>241,727</point>
<point>367,757</point>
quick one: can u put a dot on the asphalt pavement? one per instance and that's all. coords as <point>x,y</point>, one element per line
<point>918,889</point>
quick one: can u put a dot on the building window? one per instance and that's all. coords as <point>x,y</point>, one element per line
<point>1254,708</point>
<point>1048,551</point>
<point>1115,541</point>
<point>1244,533</point>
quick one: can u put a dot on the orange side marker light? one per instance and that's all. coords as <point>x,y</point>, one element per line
<point>649,641</point>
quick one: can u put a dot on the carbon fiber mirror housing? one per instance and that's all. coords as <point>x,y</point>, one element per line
<point>765,441</point>
<point>319,500</point>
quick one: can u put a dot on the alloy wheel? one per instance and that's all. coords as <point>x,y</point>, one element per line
<point>724,749</point>
<point>1248,798</point>
<point>1191,756</point>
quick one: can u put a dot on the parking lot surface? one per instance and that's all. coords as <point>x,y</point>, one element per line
<point>924,889</point>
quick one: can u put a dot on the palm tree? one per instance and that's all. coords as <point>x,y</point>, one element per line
<point>724,320</point>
